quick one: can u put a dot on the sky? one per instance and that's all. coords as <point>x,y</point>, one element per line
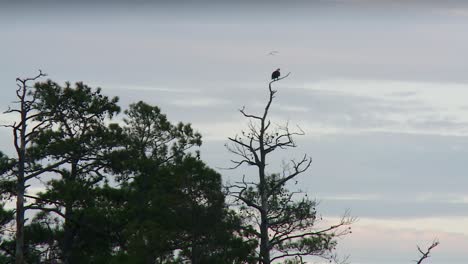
<point>379,88</point>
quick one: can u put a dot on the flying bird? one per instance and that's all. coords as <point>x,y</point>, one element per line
<point>276,74</point>
<point>273,53</point>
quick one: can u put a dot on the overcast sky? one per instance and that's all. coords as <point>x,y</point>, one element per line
<point>379,87</point>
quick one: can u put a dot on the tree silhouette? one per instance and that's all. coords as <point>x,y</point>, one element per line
<point>285,225</point>
<point>25,166</point>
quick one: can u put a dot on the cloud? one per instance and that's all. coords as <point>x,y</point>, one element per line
<point>395,241</point>
<point>387,208</point>
<point>381,241</point>
<point>456,12</point>
<point>198,102</point>
<point>379,105</point>
<point>142,88</point>
<point>350,106</point>
<point>293,108</point>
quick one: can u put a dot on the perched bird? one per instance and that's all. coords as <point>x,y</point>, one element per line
<point>276,74</point>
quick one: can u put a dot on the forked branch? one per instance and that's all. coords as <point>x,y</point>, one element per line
<point>425,253</point>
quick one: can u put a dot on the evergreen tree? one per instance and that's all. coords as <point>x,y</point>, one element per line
<point>76,132</point>
<point>176,201</point>
<point>131,193</point>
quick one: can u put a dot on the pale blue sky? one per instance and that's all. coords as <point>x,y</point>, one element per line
<point>379,87</point>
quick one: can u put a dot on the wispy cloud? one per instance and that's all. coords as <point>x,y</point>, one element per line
<point>194,102</point>
<point>356,106</point>
<point>374,241</point>
<point>293,108</point>
<point>147,88</point>
<point>456,12</point>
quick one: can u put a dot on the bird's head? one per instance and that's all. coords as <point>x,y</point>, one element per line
<point>278,69</point>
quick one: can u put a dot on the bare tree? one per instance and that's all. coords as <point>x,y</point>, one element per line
<point>425,253</point>
<point>24,166</point>
<point>284,221</point>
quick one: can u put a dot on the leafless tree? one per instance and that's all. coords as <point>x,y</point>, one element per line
<point>425,253</point>
<point>285,222</point>
<point>24,166</point>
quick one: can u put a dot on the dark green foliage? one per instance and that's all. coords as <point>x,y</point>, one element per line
<point>149,140</point>
<point>76,118</point>
<point>7,183</point>
<point>176,201</point>
<point>121,194</point>
<point>72,134</point>
<point>6,164</point>
<point>204,225</point>
<point>6,246</point>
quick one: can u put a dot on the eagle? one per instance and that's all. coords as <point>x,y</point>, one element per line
<point>276,74</point>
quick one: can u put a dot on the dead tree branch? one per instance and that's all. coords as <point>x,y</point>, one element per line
<point>425,253</point>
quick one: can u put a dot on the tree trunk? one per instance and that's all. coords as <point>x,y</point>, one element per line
<point>19,254</point>
<point>68,235</point>
<point>20,185</point>
<point>264,247</point>
<point>69,227</point>
<point>20,139</point>
<point>264,239</point>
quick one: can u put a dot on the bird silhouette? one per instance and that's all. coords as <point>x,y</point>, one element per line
<point>273,53</point>
<point>276,74</point>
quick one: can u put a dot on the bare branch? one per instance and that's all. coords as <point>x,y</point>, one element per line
<point>248,115</point>
<point>298,169</point>
<point>10,110</point>
<point>425,254</point>
<point>282,222</point>
<point>51,166</point>
<point>44,200</point>
<point>25,80</point>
